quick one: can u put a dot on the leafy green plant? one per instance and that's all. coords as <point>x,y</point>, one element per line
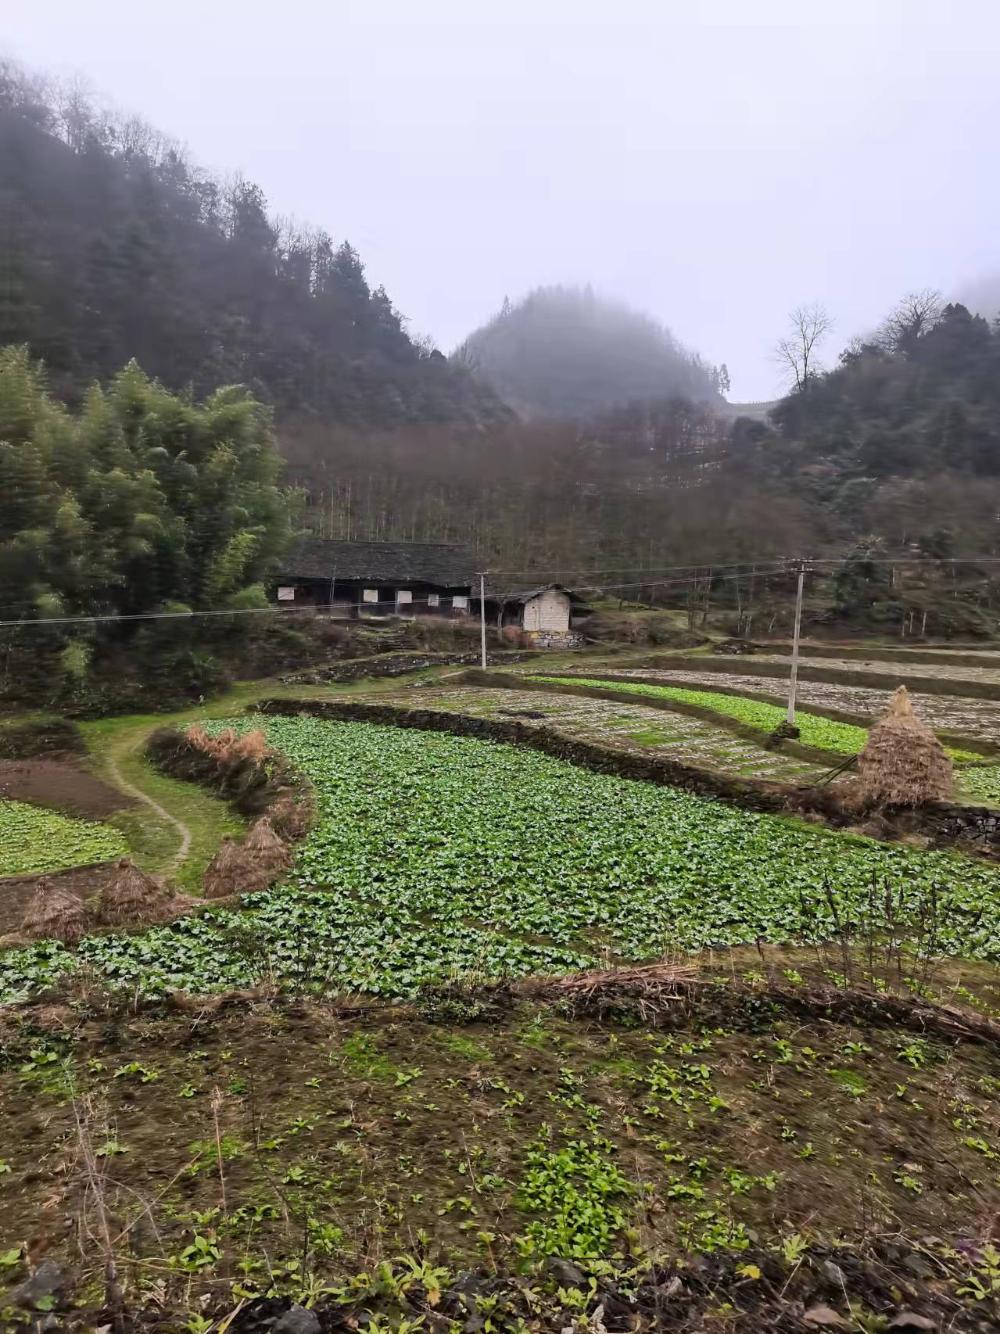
<point>577,1193</point>
<point>532,861</point>
<point>35,840</point>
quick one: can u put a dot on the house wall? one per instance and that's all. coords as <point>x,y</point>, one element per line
<point>346,597</point>
<point>548,613</point>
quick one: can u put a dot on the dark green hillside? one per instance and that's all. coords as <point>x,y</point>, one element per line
<point>116,247</point>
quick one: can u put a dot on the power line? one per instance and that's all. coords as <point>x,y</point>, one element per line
<point>650,569</point>
<point>766,560</point>
<point>742,569</point>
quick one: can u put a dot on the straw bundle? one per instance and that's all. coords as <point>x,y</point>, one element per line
<point>54,914</point>
<point>265,846</point>
<point>903,763</point>
<point>132,896</point>
<point>234,870</point>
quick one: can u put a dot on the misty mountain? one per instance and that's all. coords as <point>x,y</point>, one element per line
<point>983,296</point>
<point>116,247</point>
<point>565,352</point>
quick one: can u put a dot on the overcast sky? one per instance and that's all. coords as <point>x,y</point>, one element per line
<point>713,162</point>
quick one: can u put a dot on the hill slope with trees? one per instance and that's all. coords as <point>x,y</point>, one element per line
<point>564,352</point>
<point>117,247</point>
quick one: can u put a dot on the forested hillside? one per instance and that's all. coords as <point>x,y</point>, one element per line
<point>565,352</point>
<point>116,247</point>
<point>119,253</point>
<point>902,438</point>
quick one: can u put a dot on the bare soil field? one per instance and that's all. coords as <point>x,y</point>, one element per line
<point>945,670</point>
<point>398,1166</point>
<point>60,785</point>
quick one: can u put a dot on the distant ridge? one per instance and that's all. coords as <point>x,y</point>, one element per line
<point>758,411</point>
<point>567,352</point>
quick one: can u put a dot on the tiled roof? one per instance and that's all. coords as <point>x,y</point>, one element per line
<point>444,563</point>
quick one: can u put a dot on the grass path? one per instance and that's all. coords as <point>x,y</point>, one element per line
<point>120,781</point>
<point>177,827</point>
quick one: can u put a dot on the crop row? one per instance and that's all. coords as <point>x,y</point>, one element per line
<point>435,856</point>
<point>36,840</point>
<point>814,730</point>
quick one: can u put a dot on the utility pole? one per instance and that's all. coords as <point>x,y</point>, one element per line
<point>482,615</point>
<point>793,680</point>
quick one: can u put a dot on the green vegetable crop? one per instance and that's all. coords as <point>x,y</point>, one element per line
<point>37,840</point>
<point>436,856</point>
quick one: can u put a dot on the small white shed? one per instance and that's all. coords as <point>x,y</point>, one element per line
<point>546,611</point>
<point>544,615</point>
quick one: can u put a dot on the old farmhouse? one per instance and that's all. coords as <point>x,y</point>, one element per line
<point>378,578</point>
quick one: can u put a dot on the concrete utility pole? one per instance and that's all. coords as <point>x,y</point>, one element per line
<point>793,679</point>
<point>482,615</point>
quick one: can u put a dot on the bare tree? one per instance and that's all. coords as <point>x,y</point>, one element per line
<point>915,314</point>
<point>797,353</point>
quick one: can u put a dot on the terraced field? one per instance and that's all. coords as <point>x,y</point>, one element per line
<point>625,726</point>
<point>437,856</point>
<point>908,671</point>
<point>742,1142</point>
<point>36,840</point>
<point>946,713</point>
<point>396,1175</point>
<point>815,730</point>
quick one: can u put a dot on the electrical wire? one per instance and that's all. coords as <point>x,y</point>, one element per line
<point>741,570</point>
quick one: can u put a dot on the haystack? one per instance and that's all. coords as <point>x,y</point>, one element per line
<point>903,763</point>
<point>265,846</point>
<point>54,914</point>
<point>131,895</point>
<point>234,870</point>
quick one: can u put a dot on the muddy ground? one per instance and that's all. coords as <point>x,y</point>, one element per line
<point>288,1147</point>
<point>62,785</point>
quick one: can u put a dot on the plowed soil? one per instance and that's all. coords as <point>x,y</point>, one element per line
<point>61,785</point>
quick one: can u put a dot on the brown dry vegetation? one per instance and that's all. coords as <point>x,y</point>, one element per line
<point>54,913</point>
<point>131,897</point>
<point>902,763</point>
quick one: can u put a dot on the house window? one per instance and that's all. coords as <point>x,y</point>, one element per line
<point>286,594</point>
<point>403,595</point>
<point>460,602</point>
<point>369,595</point>
<point>433,599</point>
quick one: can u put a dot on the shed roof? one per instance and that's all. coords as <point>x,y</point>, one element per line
<point>445,563</point>
<point>526,594</point>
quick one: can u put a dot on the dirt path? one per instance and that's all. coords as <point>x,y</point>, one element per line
<point>184,847</point>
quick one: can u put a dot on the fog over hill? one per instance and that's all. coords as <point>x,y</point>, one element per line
<point>565,351</point>
<point>982,295</point>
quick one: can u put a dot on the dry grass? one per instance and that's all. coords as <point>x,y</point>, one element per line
<point>229,745</point>
<point>133,896</point>
<point>264,845</point>
<point>54,914</point>
<point>903,763</point>
<point>235,870</point>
